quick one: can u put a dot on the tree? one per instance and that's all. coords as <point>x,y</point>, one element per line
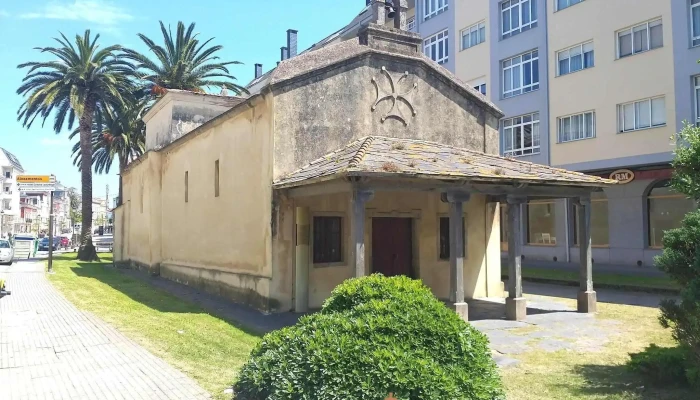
<point>681,255</point>
<point>183,63</point>
<point>122,136</point>
<point>79,83</point>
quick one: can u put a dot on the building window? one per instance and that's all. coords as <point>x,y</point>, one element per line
<point>541,222</point>
<point>411,24</point>
<point>521,135</point>
<point>7,189</point>
<point>665,210</point>
<point>187,186</point>
<point>8,174</point>
<point>696,80</point>
<point>562,4</point>
<point>445,237</point>
<point>475,34</point>
<point>6,205</point>
<point>432,8</point>
<point>575,58</point>
<point>436,47</point>
<point>640,38</point>
<point>517,16</point>
<point>521,74</point>
<point>576,127</point>
<point>642,114</point>
<point>695,21</point>
<point>327,239</point>
<point>216,178</point>
<point>481,88</point>
<point>600,235</point>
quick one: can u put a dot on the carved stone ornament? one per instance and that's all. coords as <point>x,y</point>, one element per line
<point>396,98</point>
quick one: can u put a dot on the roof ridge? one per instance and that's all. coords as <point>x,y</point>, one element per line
<point>360,154</point>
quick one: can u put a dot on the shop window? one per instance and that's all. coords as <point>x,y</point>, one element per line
<point>327,237</point>
<point>665,210</point>
<point>600,234</point>
<point>541,223</point>
<point>445,237</point>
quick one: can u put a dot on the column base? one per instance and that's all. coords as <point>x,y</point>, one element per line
<point>462,309</point>
<point>587,302</point>
<point>516,308</point>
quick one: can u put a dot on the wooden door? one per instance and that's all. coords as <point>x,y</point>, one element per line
<point>392,246</point>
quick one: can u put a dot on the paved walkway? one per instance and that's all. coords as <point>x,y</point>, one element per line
<point>51,350</point>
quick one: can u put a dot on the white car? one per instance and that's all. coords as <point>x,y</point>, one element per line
<point>7,253</point>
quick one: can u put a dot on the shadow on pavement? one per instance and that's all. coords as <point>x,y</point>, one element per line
<point>604,295</point>
<point>140,287</point>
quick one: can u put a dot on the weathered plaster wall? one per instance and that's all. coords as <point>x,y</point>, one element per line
<point>222,243</point>
<point>482,274</point>
<point>333,108</point>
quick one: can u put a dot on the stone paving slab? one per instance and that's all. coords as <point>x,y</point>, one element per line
<point>51,350</point>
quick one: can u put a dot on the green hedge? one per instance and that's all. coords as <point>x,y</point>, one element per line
<point>374,336</point>
<point>665,366</point>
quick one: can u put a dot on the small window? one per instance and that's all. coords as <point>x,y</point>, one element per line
<point>475,34</point>
<point>432,8</point>
<point>562,4</point>
<point>216,178</point>
<point>640,38</point>
<point>481,88</point>
<point>695,22</point>
<point>187,186</point>
<point>411,24</point>
<point>576,127</point>
<point>517,16</point>
<point>8,174</point>
<point>327,238</point>
<point>445,237</point>
<point>436,47</point>
<point>575,58</point>
<point>642,114</point>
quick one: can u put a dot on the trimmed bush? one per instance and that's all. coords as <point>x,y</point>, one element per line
<point>661,365</point>
<point>374,336</point>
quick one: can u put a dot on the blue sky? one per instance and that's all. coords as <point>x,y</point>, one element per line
<point>250,31</point>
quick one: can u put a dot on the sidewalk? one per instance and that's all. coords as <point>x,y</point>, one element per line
<point>51,350</point>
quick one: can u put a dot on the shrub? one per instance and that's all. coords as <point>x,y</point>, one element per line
<point>661,365</point>
<point>374,336</point>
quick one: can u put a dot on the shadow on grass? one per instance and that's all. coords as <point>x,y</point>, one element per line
<point>604,381</point>
<point>167,296</point>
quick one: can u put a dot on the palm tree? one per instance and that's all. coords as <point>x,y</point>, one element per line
<point>79,83</point>
<point>183,63</point>
<point>122,136</point>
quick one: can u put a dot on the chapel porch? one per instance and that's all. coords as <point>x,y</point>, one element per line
<point>417,208</point>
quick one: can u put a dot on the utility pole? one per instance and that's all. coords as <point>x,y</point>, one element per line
<point>51,233</point>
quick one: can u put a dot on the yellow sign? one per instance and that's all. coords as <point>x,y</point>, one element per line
<point>622,175</point>
<point>33,179</point>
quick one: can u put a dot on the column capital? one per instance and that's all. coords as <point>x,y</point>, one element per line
<point>516,200</point>
<point>362,195</point>
<point>583,201</point>
<point>457,197</point>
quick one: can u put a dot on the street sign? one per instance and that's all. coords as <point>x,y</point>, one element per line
<point>35,179</point>
<point>37,187</point>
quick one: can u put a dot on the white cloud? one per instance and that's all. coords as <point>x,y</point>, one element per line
<point>54,141</point>
<point>4,13</point>
<point>96,11</point>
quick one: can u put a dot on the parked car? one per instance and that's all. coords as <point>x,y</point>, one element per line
<point>65,242</point>
<point>7,252</point>
<point>44,243</point>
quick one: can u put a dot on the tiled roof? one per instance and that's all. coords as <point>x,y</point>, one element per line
<point>384,156</point>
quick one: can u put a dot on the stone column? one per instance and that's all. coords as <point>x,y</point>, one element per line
<point>587,302</point>
<point>400,20</point>
<point>357,230</point>
<point>302,260</point>
<point>457,254</point>
<point>516,305</point>
<point>378,12</point>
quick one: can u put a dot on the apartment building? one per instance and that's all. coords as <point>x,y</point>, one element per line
<point>9,197</point>
<point>595,86</point>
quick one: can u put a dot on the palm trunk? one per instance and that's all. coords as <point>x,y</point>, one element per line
<point>87,249</point>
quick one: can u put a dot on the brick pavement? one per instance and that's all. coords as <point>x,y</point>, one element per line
<point>51,350</point>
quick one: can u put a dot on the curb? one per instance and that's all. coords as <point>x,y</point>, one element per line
<point>628,288</point>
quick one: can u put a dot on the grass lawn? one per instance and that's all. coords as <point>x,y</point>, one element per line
<point>209,349</point>
<point>607,279</point>
<point>212,350</point>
